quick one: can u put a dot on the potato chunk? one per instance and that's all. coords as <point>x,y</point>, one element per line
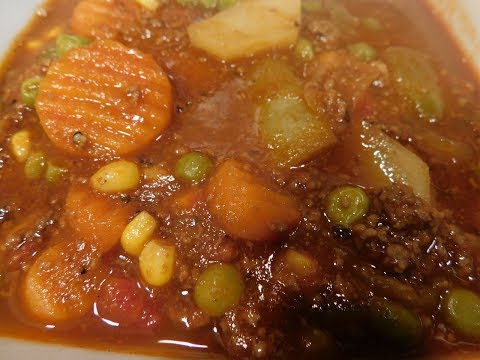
<point>246,208</point>
<point>60,284</point>
<point>249,27</point>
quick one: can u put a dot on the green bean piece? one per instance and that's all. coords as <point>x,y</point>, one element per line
<point>225,4</point>
<point>363,51</point>
<point>54,173</point>
<point>193,167</point>
<point>394,323</point>
<point>461,309</point>
<point>218,289</point>
<point>304,50</point>
<point>34,166</point>
<point>67,42</point>
<point>371,23</point>
<point>346,205</point>
<point>312,5</point>
<point>29,90</point>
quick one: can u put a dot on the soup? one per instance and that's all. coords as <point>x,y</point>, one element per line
<point>240,179</point>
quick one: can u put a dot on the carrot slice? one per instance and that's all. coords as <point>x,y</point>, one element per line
<point>103,19</point>
<point>98,220</point>
<point>247,209</point>
<point>104,99</point>
<point>61,283</point>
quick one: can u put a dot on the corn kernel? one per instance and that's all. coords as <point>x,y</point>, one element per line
<point>54,173</point>
<point>151,5</point>
<point>54,32</point>
<point>20,145</point>
<point>137,233</point>
<point>157,262</point>
<point>34,44</point>
<point>116,177</point>
<point>34,166</point>
<point>301,264</point>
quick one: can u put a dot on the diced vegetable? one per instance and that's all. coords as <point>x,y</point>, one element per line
<point>35,166</point>
<point>346,205</point>
<point>137,233</point>
<point>67,42</point>
<point>383,160</point>
<point>30,89</point>
<point>54,173</point>
<point>218,289</point>
<point>151,5</point>
<point>225,4</point>
<point>20,145</point>
<point>247,209</point>
<point>461,309</point>
<point>60,285</point>
<point>157,262</point>
<point>363,51</point>
<point>274,77</point>
<point>291,132</point>
<point>415,78</point>
<point>371,23</point>
<point>442,147</point>
<point>116,177</point>
<point>304,50</point>
<point>118,107</point>
<point>248,28</point>
<point>300,263</point>
<point>98,220</point>
<point>193,167</point>
<point>394,323</point>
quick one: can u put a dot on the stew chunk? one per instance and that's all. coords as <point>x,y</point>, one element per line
<point>246,208</point>
<point>104,99</point>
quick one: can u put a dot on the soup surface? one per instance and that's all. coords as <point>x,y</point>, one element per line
<point>241,179</point>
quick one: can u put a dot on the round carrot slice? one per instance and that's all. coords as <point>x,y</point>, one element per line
<point>104,99</point>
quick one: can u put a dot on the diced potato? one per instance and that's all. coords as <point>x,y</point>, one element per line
<point>150,5</point>
<point>274,77</point>
<point>60,284</point>
<point>415,78</point>
<point>384,161</point>
<point>292,132</point>
<point>138,232</point>
<point>20,145</point>
<point>116,177</point>
<point>249,27</point>
<point>247,209</point>
<point>300,263</point>
<point>157,262</point>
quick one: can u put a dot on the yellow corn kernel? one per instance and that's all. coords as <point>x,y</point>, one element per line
<point>157,262</point>
<point>34,166</point>
<point>54,173</point>
<point>299,263</point>
<point>34,44</point>
<point>151,5</point>
<point>137,233</point>
<point>20,145</point>
<point>54,32</point>
<point>116,177</point>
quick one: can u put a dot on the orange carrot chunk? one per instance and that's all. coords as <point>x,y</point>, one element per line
<point>104,19</point>
<point>246,208</point>
<point>98,220</point>
<point>104,99</point>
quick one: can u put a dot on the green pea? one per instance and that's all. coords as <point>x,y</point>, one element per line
<point>461,309</point>
<point>346,205</point>
<point>371,23</point>
<point>67,42</point>
<point>218,289</point>
<point>312,5</point>
<point>225,4</point>
<point>29,90</point>
<point>394,323</point>
<point>363,51</point>
<point>304,50</point>
<point>193,167</point>
<point>34,166</point>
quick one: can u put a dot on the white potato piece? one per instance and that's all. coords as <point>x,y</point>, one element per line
<point>388,161</point>
<point>249,27</point>
<point>60,284</point>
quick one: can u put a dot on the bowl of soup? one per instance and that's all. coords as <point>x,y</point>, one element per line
<point>239,179</point>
